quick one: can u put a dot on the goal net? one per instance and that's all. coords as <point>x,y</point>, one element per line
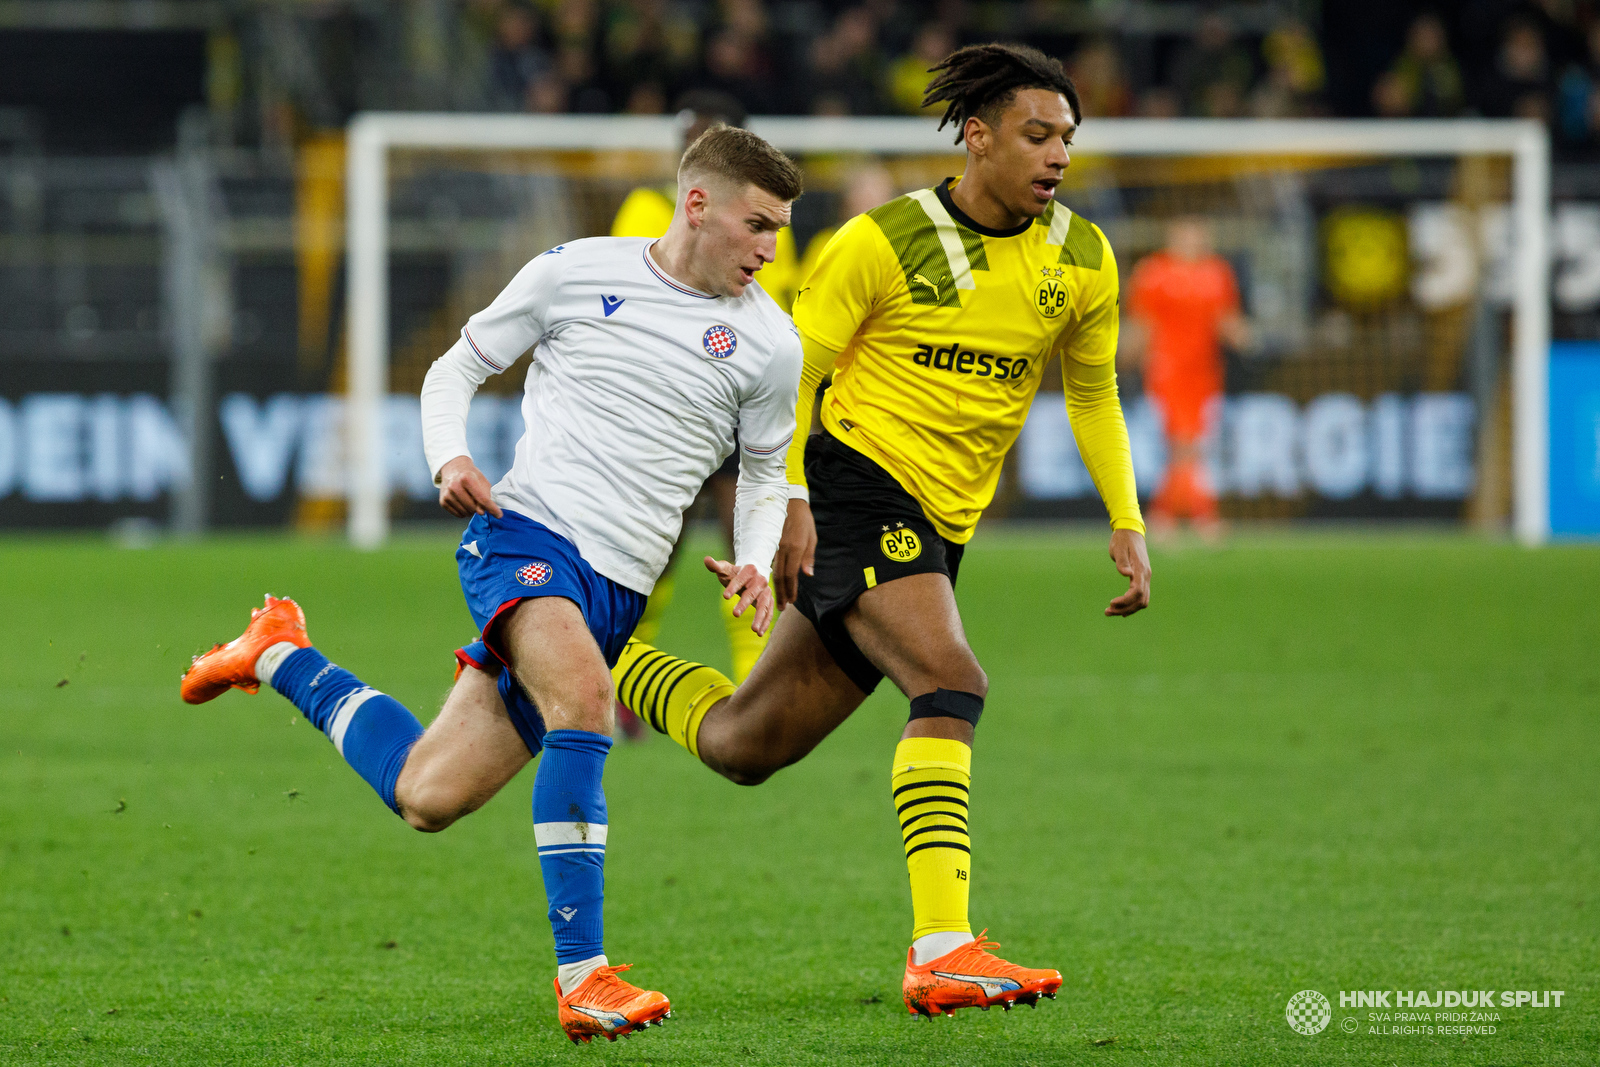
<point>1393,276</point>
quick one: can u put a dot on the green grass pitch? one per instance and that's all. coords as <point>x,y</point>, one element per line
<point>1330,762</point>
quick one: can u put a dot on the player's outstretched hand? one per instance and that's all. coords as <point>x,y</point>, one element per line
<point>1133,562</point>
<point>750,586</point>
<point>797,551</point>
<point>464,490</point>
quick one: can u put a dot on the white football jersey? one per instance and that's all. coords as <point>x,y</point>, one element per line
<point>637,386</point>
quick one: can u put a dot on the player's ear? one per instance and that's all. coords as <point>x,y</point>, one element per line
<point>976,134</point>
<point>695,202</point>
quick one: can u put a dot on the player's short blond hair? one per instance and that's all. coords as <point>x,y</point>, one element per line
<point>739,156</point>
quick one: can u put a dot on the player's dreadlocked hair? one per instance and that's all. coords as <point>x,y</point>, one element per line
<point>981,79</point>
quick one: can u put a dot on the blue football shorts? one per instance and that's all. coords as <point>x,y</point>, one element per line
<point>511,559</point>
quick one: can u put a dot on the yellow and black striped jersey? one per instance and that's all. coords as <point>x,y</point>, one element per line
<point>943,328</point>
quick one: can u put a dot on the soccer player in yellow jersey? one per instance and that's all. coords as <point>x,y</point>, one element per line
<point>936,314</point>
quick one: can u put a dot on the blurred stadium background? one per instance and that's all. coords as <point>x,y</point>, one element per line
<point>174,335</point>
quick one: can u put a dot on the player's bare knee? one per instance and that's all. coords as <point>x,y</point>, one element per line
<point>588,703</point>
<point>422,821</point>
<point>955,675</point>
<point>964,674</point>
<point>428,822</point>
<point>745,776</point>
<point>736,759</point>
<point>751,755</point>
<point>599,704</point>
<point>429,811</point>
<point>752,767</point>
<point>428,801</point>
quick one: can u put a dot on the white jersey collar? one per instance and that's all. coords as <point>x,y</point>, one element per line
<point>667,279</point>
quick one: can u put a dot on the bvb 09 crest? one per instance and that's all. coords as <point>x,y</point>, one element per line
<point>1050,295</point>
<point>901,545</point>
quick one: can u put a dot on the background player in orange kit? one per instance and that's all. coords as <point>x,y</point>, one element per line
<point>1183,302</point>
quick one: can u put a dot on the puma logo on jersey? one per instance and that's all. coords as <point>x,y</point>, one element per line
<point>920,280</point>
<point>611,303</point>
<point>991,985</point>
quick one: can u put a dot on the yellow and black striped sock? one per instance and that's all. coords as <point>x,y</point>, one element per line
<point>671,694</point>
<point>932,778</point>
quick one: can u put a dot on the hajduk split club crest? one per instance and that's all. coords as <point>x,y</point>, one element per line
<point>720,341</point>
<point>536,573</point>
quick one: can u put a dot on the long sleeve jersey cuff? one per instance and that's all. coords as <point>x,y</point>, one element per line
<point>447,394</point>
<point>759,512</point>
<point>1102,436</point>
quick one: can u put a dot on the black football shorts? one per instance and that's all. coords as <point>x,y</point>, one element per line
<point>869,531</point>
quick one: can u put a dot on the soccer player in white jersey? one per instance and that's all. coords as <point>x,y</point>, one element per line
<point>648,355</point>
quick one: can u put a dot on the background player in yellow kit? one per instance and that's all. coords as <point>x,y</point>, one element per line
<point>646,212</point>
<point>866,185</point>
<point>936,314</point>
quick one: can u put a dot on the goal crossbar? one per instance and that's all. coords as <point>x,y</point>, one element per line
<point>373,134</point>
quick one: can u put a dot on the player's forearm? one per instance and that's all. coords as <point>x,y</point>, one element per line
<point>818,365</point>
<point>761,503</point>
<point>1102,436</point>
<point>447,394</point>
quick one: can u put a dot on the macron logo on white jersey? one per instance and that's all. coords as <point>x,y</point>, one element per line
<point>611,303</point>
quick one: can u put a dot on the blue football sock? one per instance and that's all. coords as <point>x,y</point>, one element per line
<point>373,731</point>
<point>569,823</point>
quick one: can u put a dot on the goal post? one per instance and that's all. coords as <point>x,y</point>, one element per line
<point>374,136</point>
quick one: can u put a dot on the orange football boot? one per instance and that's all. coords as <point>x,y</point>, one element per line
<point>233,665</point>
<point>605,1005</point>
<point>973,977</point>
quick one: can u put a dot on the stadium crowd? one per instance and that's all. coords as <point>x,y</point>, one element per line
<point>1484,57</point>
